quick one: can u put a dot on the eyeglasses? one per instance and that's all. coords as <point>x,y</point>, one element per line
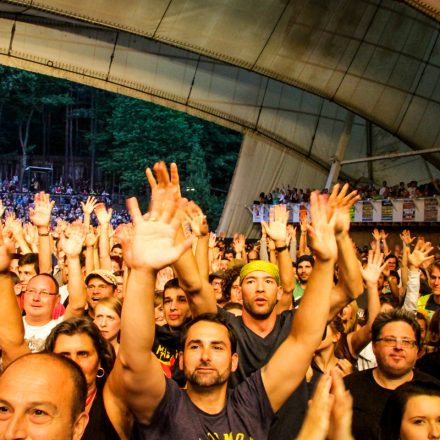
<point>42,293</point>
<point>392,342</point>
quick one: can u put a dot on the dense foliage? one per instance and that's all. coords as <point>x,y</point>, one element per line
<point>42,117</point>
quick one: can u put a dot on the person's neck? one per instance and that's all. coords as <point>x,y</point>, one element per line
<point>326,359</point>
<point>261,327</point>
<point>436,298</point>
<point>115,345</point>
<point>37,321</point>
<point>303,284</point>
<point>390,382</point>
<point>211,400</point>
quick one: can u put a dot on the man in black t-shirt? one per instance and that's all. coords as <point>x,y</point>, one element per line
<point>206,409</point>
<point>396,339</point>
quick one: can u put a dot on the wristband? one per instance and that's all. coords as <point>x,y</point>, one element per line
<point>44,235</point>
<point>281,248</point>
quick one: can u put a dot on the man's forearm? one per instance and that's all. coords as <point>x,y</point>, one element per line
<point>44,250</point>
<point>76,288</point>
<point>104,248</point>
<point>349,269</point>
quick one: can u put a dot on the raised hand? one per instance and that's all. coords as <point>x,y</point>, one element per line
<point>164,181</point>
<point>341,203</point>
<point>197,220</point>
<point>102,214</point>
<point>89,205</point>
<point>6,249</point>
<point>91,237</point>
<point>383,235</point>
<point>276,229</point>
<point>40,215</point>
<point>212,240</point>
<point>239,243</point>
<point>371,272</point>
<point>376,234</point>
<point>419,255</point>
<point>73,240</point>
<point>30,234</point>
<point>322,229</point>
<point>304,223</point>
<point>124,233</point>
<point>406,238</point>
<point>154,234</point>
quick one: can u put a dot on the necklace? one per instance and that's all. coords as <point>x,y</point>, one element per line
<point>90,398</point>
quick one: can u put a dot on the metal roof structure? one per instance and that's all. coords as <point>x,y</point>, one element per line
<point>287,73</point>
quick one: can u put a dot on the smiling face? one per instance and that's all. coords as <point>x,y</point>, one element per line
<point>396,360</point>
<point>303,271</point>
<point>97,289</point>
<point>260,293</point>
<point>31,404</point>
<point>421,419</point>
<point>40,299</point>
<point>175,307</point>
<point>435,280</point>
<point>207,360</point>
<point>108,322</point>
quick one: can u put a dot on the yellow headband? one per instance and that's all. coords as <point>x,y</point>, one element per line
<point>263,266</point>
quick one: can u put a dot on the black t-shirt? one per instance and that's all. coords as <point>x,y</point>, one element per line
<point>253,353</point>
<point>247,415</point>
<point>166,348</point>
<point>369,401</point>
<point>430,364</point>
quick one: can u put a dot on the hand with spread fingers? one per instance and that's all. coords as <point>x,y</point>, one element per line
<point>197,220</point>
<point>89,205</point>
<point>341,203</point>
<point>420,255</point>
<point>375,266</point>
<point>102,214</point>
<point>156,231</point>
<point>276,229</point>
<point>40,215</point>
<point>73,240</point>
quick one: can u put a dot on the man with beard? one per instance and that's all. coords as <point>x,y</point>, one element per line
<point>304,267</point>
<point>206,409</point>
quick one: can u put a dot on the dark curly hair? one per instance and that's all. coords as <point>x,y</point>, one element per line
<point>75,326</point>
<point>229,277</point>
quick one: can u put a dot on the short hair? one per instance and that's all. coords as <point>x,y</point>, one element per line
<point>158,298</point>
<point>209,317</point>
<point>302,258</point>
<point>48,275</point>
<point>29,258</point>
<point>116,246</point>
<point>79,394</point>
<point>173,283</point>
<point>232,306</point>
<point>396,404</point>
<point>75,326</point>
<point>394,316</point>
<point>230,276</point>
<point>435,265</point>
<point>113,303</point>
<point>394,273</point>
<point>118,273</point>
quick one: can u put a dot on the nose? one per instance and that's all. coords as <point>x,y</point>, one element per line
<point>102,321</point>
<point>260,285</point>
<point>16,428</point>
<point>205,355</point>
<point>173,305</point>
<point>434,430</point>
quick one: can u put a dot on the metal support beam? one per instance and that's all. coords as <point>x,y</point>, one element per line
<point>340,151</point>
<point>369,133</point>
<point>391,156</point>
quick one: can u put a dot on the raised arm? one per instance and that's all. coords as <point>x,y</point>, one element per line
<point>276,229</point>
<point>40,217</point>
<point>71,244</point>
<point>88,208</point>
<point>289,364</point>
<point>359,338</point>
<point>11,324</point>
<point>138,377</point>
<point>350,284</point>
<point>104,216</point>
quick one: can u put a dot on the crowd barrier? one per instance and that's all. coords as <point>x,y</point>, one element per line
<point>423,210</point>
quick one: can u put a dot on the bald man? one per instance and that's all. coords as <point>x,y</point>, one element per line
<point>42,397</point>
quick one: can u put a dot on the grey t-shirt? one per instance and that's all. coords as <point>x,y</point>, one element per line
<point>246,416</point>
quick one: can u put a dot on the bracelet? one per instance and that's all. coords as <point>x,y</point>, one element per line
<point>281,248</point>
<point>44,235</point>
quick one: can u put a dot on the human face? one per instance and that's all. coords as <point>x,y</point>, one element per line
<point>392,263</point>
<point>97,289</point>
<point>435,281</point>
<point>32,406</point>
<point>26,272</point>
<point>260,294</point>
<point>421,419</point>
<point>423,329</point>
<point>303,271</point>
<point>119,287</point>
<point>395,361</point>
<point>116,267</point>
<point>236,291</point>
<point>108,322</point>
<point>207,360</point>
<point>217,284</point>
<point>80,349</point>
<point>38,305</point>
<point>175,307</point>
<point>159,317</point>
<point>116,252</point>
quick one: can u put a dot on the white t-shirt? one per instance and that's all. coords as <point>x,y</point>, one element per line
<point>35,335</point>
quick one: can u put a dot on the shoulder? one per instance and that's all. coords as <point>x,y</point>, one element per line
<point>358,378</point>
<point>424,299</point>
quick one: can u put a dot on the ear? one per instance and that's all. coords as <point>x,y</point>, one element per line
<point>79,426</point>
<point>181,360</point>
<point>234,362</point>
<point>280,292</point>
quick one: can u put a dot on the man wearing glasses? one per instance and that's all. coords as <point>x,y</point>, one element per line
<point>396,339</point>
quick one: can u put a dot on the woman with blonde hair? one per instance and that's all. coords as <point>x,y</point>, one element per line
<point>108,319</point>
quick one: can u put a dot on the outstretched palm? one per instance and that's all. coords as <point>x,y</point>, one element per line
<point>276,229</point>
<point>40,215</point>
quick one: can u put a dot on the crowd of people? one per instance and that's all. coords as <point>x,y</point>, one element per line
<point>409,190</point>
<point>159,329</point>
